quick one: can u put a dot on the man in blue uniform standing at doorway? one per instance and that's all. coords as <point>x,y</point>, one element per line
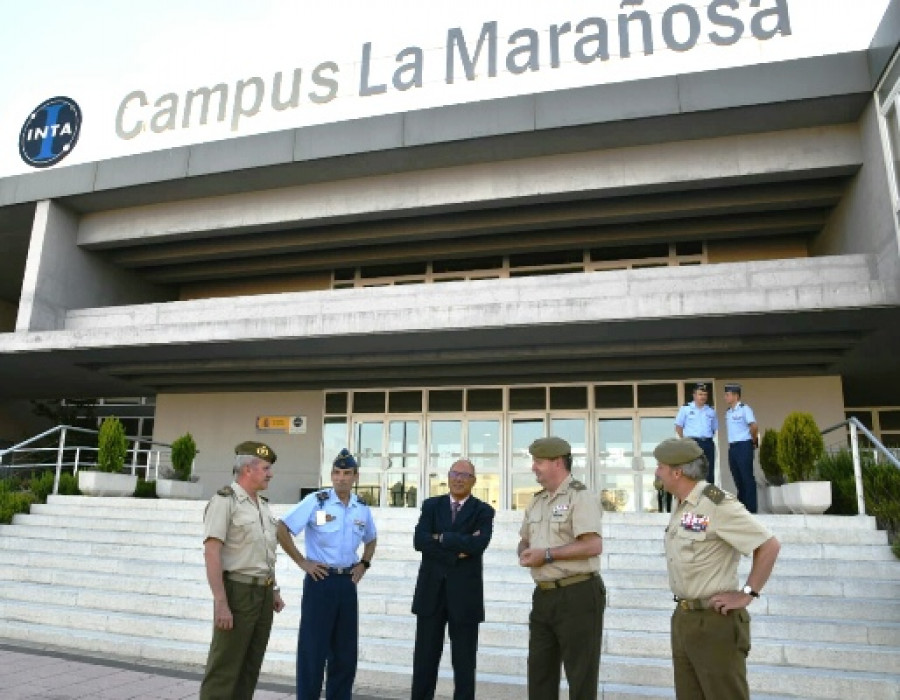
<point>743,438</point>
<point>334,522</point>
<point>697,420</point>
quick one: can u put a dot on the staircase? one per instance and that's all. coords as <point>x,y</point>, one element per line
<point>125,577</point>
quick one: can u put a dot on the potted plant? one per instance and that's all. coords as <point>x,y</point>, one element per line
<point>768,460</point>
<point>800,445</point>
<point>107,479</point>
<point>179,481</point>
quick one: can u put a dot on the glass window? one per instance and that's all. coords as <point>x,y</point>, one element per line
<point>405,402</point>
<point>889,420</point>
<point>657,395</point>
<point>689,248</point>
<point>484,400</point>
<point>528,398</point>
<point>630,252</point>
<point>864,417</point>
<point>445,400</point>
<point>489,263</point>
<point>334,439</point>
<point>368,401</point>
<point>614,396</point>
<point>336,402</point>
<point>397,270</point>
<point>568,397</point>
<point>559,257</point>
<point>689,391</point>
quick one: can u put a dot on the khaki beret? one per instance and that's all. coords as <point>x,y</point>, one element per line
<point>550,448</point>
<point>675,451</point>
<point>256,449</point>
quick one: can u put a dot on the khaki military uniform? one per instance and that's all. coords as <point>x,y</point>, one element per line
<point>706,536</point>
<point>566,620</point>
<point>247,531</point>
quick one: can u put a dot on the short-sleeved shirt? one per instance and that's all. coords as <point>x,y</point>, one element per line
<point>738,420</point>
<point>247,530</point>
<point>704,543</point>
<point>556,519</point>
<point>332,538</point>
<point>697,421</point>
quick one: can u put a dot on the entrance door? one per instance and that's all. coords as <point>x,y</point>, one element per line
<point>523,431</point>
<point>389,459</point>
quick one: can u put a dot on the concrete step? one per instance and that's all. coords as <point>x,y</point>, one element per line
<point>127,576</point>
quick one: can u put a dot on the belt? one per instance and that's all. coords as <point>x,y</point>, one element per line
<point>252,580</point>
<point>563,582</point>
<point>686,604</point>
<point>699,439</point>
<point>340,570</point>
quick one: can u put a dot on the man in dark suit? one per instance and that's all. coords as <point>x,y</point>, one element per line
<point>452,533</point>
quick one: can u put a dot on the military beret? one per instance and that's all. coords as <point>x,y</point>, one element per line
<point>550,448</point>
<point>345,460</point>
<point>675,451</point>
<point>256,449</point>
<point>734,388</point>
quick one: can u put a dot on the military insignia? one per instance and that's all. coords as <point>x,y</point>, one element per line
<point>577,485</point>
<point>714,493</point>
<point>322,496</point>
<point>695,522</point>
<point>225,491</point>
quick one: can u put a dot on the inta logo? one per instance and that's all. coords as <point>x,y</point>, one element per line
<point>50,132</point>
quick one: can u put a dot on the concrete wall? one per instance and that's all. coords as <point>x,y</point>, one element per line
<point>218,422</point>
<point>772,400</point>
<point>863,221</point>
<point>60,276</point>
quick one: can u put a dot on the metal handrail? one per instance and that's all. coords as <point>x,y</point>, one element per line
<point>61,449</point>
<point>855,426</point>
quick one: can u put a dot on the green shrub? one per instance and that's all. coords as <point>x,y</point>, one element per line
<point>68,485</point>
<point>768,458</point>
<point>800,445</point>
<point>113,446</point>
<point>145,489</point>
<point>184,449</point>
<point>837,467</point>
<point>12,502</point>
<point>42,486</point>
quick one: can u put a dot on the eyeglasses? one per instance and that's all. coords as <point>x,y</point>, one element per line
<point>453,474</point>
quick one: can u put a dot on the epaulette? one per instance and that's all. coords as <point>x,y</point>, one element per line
<point>263,498</point>
<point>714,493</point>
<point>225,491</point>
<point>577,485</point>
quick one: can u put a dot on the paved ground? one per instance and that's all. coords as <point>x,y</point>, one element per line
<point>39,673</point>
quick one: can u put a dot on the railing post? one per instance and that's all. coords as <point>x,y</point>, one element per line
<point>857,469</point>
<point>59,458</point>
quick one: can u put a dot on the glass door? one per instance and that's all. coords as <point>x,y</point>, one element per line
<point>614,464</point>
<point>523,431</point>
<point>445,441</point>
<point>369,449</point>
<point>403,464</point>
<point>653,430</point>
<point>483,449</point>
<point>574,431</point>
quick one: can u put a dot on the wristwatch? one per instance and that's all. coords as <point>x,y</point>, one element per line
<point>548,558</point>
<point>276,589</point>
<point>749,591</point>
<point>365,563</point>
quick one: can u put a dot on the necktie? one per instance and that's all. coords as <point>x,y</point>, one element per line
<point>454,509</point>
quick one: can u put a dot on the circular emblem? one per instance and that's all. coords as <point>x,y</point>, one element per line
<point>50,132</point>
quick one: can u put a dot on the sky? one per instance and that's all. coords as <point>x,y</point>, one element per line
<point>98,51</point>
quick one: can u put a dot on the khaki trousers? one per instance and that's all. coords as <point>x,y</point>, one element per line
<point>236,655</point>
<point>709,652</point>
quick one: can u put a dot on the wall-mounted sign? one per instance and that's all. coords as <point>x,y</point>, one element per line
<point>50,132</point>
<point>281,424</point>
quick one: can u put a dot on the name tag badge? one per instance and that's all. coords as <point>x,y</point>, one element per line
<point>321,517</point>
<point>559,511</point>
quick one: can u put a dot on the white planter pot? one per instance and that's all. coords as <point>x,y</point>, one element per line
<point>807,497</point>
<point>183,490</point>
<point>93,483</point>
<point>776,500</point>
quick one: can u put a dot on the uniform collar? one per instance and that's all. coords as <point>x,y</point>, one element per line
<point>333,498</point>
<point>562,488</point>
<point>694,496</point>
<point>240,492</point>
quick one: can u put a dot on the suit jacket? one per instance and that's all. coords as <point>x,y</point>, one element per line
<point>442,563</point>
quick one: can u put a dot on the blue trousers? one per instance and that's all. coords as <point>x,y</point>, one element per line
<point>740,459</point>
<point>709,449</point>
<point>329,633</point>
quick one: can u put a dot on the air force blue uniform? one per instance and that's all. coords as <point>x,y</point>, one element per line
<point>700,423</point>
<point>740,453</point>
<point>329,612</point>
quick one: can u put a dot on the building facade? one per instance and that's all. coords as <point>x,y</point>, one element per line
<point>457,280</point>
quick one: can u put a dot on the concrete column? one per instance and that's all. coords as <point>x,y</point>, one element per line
<point>60,276</point>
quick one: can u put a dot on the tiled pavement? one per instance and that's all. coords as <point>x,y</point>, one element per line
<point>37,673</point>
